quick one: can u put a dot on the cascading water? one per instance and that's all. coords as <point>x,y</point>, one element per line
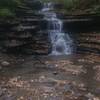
<point>61,42</point>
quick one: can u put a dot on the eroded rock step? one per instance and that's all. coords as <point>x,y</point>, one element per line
<point>88,42</point>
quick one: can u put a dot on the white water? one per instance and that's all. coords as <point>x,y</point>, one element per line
<point>61,42</point>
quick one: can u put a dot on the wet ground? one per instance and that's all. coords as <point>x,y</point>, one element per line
<point>74,77</point>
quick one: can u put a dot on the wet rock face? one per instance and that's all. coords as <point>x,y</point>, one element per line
<point>34,4</point>
<point>86,32</point>
<point>5,63</point>
<point>88,42</point>
<point>81,23</point>
<point>26,40</point>
<point>58,6</point>
<point>24,34</point>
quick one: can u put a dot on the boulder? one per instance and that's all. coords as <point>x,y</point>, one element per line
<point>5,63</point>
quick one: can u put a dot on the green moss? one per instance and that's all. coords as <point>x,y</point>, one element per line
<point>6,13</point>
<point>8,7</point>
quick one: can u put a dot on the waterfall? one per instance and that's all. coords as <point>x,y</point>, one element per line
<point>61,42</point>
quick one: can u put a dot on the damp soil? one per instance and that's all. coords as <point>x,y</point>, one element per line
<point>75,77</point>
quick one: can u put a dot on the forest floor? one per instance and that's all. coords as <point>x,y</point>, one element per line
<point>75,77</point>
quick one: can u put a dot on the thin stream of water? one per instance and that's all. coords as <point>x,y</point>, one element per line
<point>61,41</point>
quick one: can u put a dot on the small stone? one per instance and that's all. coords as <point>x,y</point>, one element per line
<point>5,63</point>
<point>90,96</point>
<point>81,60</point>
<point>56,65</point>
<point>32,81</point>
<point>45,96</point>
<point>21,98</point>
<point>42,77</point>
<point>81,85</point>
<point>51,94</point>
<point>96,98</point>
<point>19,77</point>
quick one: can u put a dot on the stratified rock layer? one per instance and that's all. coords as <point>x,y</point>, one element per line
<point>23,35</point>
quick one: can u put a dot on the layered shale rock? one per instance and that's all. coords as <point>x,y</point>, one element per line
<point>85,30</point>
<point>81,23</point>
<point>23,35</point>
<point>88,42</point>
